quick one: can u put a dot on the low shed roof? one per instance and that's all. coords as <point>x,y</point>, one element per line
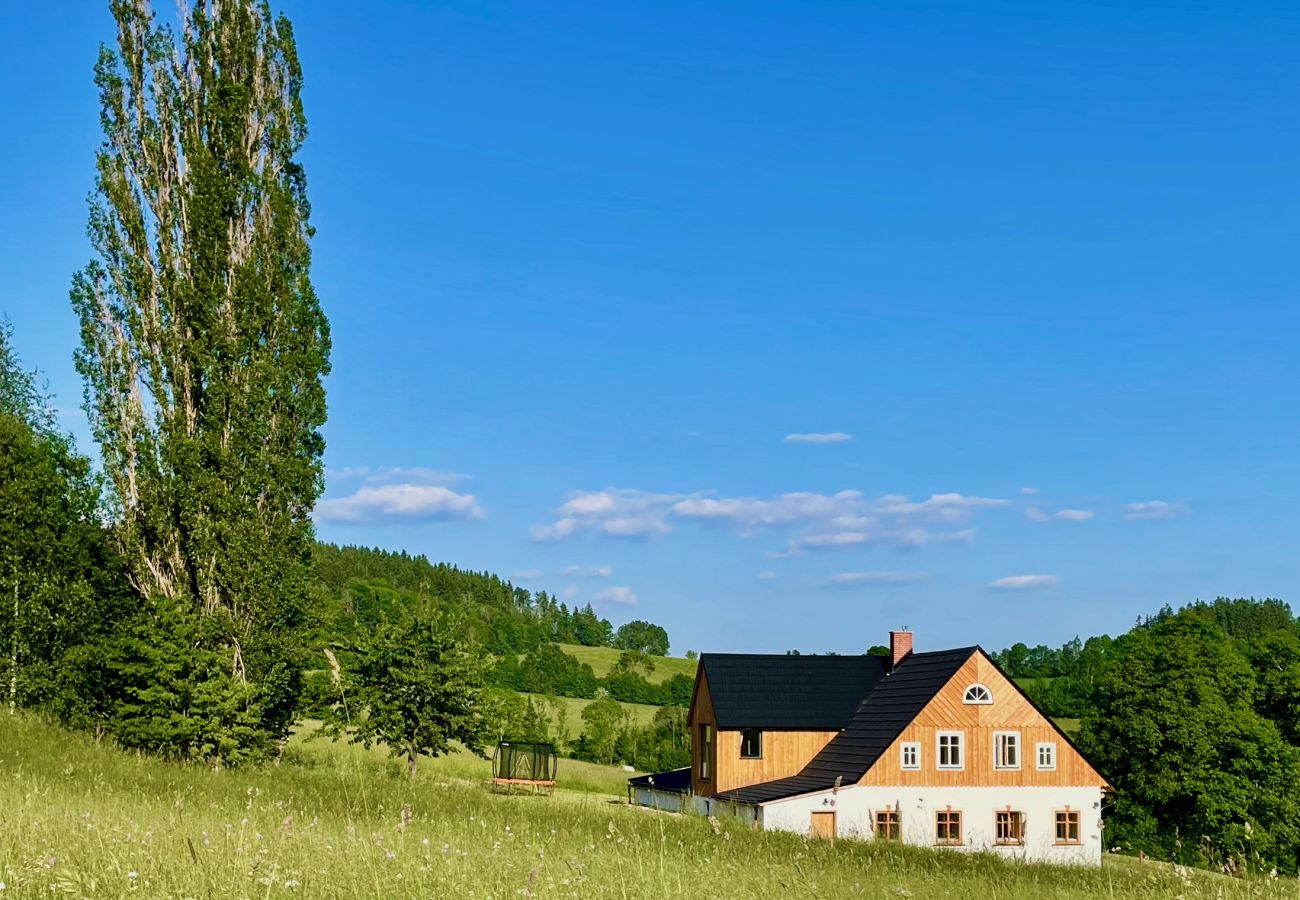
<point>674,781</point>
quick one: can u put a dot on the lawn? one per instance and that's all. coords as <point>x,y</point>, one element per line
<point>602,659</point>
<point>78,819</point>
<point>642,713</point>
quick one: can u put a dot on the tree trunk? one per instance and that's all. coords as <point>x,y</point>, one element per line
<point>411,757</point>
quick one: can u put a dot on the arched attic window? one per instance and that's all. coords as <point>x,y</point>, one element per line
<point>978,695</point>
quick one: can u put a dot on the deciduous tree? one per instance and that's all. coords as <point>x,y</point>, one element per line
<point>203,348</point>
<point>417,688</point>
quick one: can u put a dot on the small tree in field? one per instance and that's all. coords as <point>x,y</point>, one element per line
<point>416,688</point>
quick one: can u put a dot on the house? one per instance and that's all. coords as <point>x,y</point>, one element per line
<point>935,749</point>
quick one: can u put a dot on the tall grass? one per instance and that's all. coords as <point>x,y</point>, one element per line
<point>82,820</point>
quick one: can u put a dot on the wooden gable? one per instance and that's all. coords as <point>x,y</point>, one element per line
<point>784,753</point>
<point>701,713</point>
<point>1010,711</point>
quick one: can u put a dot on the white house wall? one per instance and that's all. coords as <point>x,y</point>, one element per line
<point>856,806</point>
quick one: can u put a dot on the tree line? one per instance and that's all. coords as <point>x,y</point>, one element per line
<point>1194,717</point>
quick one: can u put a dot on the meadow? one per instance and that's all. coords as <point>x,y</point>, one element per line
<point>602,659</point>
<point>640,713</point>
<point>79,819</point>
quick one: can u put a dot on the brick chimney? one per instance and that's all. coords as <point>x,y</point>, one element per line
<point>900,647</point>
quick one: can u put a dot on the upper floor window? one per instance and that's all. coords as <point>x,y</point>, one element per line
<point>911,755</point>
<point>978,694</point>
<point>1046,754</point>
<point>950,747</point>
<point>1006,750</point>
<point>706,751</point>
<point>751,743</point>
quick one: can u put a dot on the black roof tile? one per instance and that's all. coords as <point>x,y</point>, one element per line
<point>893,703</point>
<point>788,692</point>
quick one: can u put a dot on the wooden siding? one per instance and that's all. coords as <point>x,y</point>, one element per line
<point>702,714</point>
<point>822,826</point>
<point>785,753</point>
<point>1008,712</point>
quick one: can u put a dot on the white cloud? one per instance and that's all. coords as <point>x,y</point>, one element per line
<point>346,472</point>
<point>1155,509</point>
<point>614,512</point>
<point>399,503</point>
<point>557,531</point>
<point>527,574</point>
<point>769,575</point>
<point>1034,514</point>
<point>1025,582</point>
<point>570,592</point>
<point>873,579</point>
<point>1029,491</point>
<point>620,594</point>
<point>415,474</point>
<point>819,437</point>
<point>1075,515</point>
<point>395,475</point>
<point>589,571</point>
<point>841,519</point>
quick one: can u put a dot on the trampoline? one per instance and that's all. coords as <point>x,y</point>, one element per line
<point>525,766</point>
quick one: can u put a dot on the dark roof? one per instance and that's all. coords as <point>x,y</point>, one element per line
<point>674,781</point>
<point>890,707</point>
<point>788,692</point>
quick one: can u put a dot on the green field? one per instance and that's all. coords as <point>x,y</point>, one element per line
<point>307,749</point>
<point>602,659</point>
<point>1069,726</point>
<point>78,819</point>
<point>642,713</point>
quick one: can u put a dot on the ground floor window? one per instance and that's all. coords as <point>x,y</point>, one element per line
<point>947,827</point>
<point>887,824</point>
<point>1008,828</point>
<point>1067,827</point>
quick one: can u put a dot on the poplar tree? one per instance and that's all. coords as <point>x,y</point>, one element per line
<point>203,348</point>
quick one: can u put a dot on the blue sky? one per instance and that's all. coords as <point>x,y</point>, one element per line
<point>1029,270</point>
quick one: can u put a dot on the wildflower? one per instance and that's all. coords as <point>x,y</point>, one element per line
<point>390,854</point>
<point>424,841</point>
<point>292,884</point>
<point>336,671</point>
<point>133,875</point>
<point>2,885</point>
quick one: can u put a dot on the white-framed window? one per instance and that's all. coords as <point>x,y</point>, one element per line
<point>1006,749</point>
<point>978,695</point>
<point>1045,755</point>
<point>949,750</point>
<point>910,755</point>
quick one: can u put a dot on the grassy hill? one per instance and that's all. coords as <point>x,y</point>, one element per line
<point>642,713</point>
<point>79,819</point>
<point>602,659</point>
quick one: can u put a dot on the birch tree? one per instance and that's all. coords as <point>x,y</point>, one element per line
<point>203,344</point>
